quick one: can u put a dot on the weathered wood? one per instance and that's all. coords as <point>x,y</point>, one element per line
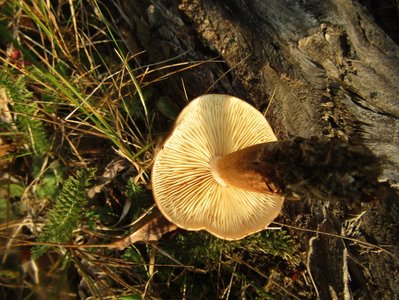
<point>313,168</point>
<point>321,68</point>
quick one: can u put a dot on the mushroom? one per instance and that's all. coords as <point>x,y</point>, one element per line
<point>205,176</point>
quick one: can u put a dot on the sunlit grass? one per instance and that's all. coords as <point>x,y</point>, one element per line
<point>82,83</point>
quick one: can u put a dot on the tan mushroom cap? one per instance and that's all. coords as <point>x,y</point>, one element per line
<point>184,186</point>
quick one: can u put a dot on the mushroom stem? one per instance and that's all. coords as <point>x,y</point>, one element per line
<point>245,170</point>
<point>304,168</point>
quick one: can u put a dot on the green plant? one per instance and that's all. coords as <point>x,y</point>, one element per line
<point>26,111</point>
<point>201,253</point>
<point>65,215</point>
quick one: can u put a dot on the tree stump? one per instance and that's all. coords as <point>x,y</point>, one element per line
<point>316,68</point>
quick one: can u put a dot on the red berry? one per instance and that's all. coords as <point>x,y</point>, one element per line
<point>15,54</point>
<point>296,275</point>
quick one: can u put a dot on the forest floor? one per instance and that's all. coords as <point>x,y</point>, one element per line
<point>81,117</point>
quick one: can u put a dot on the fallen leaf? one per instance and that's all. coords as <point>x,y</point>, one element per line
<point>150,228</point>
<point>5,150</point>
<point>110,172</point>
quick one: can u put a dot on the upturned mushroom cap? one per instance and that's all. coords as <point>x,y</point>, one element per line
<point>186,187</point>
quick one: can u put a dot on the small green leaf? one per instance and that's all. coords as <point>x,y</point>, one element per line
<point>3,209</point>
<point>16,190</point>
<point>130,297</point>
<point>48,187</point>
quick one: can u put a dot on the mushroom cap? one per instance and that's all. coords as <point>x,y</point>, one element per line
<point>183,185</point>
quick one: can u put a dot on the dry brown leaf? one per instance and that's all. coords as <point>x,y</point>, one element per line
<point>5,149</point>
<point>150,228</point>
<point>111,171</point>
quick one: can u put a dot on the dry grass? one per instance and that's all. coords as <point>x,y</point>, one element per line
<point>87,93</point>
